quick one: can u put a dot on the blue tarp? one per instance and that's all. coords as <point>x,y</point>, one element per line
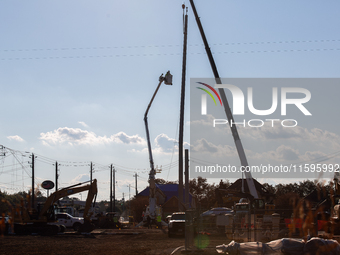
<point>169,191</point>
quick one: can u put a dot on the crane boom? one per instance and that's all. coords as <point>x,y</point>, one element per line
<point>227,110</point>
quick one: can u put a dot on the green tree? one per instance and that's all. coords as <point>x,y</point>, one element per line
<point>203,191</point>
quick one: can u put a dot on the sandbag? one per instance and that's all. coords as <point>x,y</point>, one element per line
<point>319,246</point>
<point>285,246</point>
<point>251,248</point>
<point>292,246</point>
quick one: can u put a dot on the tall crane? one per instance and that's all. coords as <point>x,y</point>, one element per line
<point>227,110</point>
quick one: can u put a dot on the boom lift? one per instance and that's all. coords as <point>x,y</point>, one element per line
<point>153,210</point>
<point>28,220</point>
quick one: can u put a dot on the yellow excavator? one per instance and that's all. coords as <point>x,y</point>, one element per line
<point>42,221</point>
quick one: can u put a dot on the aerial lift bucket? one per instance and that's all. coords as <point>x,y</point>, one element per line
<point>168,78</point>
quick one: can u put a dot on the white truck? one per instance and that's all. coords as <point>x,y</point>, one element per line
<point>69,221</point>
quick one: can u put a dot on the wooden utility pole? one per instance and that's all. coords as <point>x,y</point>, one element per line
<point>111,175</point>
<point>181,122</point>
<point>32,199</point>
<point>123,202</point>
<point>56,176</point>
<point>129,204</point>
<point>91,173</point>
<point>114,189</point>
<point>129,191</point>
<point>187,203</point>
<point>136,183</point>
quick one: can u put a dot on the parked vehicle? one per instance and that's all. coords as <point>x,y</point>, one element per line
<point>167,219</point>
<point>69,221</point>
<point>176,224</point>
<point>217,211</point>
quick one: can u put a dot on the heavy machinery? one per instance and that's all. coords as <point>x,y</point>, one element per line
<point>110,220</point>
<point>227,109</point>
<point>153,211</point>
<point>42,220</point>
<point>254,202</point>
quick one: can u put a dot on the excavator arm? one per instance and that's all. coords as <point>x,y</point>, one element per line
<point>54,197</point>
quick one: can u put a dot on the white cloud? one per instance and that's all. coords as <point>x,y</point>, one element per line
<point>165,144</point>
<point>77,136</point>
<point>204,146</point>
<point>15,138</point>
<point>121,137</point>
<point>207,120</point>
<point>285,153</point>
<point>81,178</point>
<point>295,133</point>
<point>83,124</point>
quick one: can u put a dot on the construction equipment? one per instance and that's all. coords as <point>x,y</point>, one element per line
<point>110,220</point>
<point>227,110</point>
<point>29,220</point>
<point>152,209</point>
<point>254,202</point>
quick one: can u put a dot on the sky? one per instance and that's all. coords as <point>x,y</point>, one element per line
<point>76,78</point>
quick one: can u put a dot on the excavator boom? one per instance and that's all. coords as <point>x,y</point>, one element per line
<point>54,197</point>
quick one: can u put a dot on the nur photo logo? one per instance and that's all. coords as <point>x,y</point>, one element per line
<point>280,98</point>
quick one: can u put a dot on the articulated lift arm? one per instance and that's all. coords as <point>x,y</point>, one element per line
<point>228,112</point>
<point>152,186</point>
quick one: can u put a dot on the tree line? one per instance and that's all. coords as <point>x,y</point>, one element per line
<point>287,196</point>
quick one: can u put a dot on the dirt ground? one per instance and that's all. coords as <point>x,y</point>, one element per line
<point>126,241</point>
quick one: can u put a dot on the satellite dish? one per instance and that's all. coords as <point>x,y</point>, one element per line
<point>47,184</point>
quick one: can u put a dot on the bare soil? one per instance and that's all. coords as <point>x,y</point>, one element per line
<point>125,241</point>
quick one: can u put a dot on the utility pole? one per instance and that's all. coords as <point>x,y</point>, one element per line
<point>181,123</point>
<point>32,181</point>
<point>114,189</point>
<point>91,173</point>
<point>123,203</point>
<point>136,182</point>
<point>129,201</point>
<point>111,175</point>
<point>56,176</point>
<point>187,203</point>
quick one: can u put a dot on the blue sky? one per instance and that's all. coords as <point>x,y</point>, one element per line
<point>76,76</point>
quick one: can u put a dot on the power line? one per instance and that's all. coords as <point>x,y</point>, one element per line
<point>170,45</point>
<point>170,54</point>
